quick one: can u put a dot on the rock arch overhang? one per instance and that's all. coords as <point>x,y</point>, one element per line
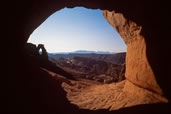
<point>139,26</point>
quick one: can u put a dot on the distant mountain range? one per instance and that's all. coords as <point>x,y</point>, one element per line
<point>85,52</point>
<point>89,52</point>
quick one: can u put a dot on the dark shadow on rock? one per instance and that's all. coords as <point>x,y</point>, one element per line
<point>158,55</point>
<point>33,55</point>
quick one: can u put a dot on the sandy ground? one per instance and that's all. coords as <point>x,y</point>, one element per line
<point>87,94</point>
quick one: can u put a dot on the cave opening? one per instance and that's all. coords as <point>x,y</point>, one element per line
<point>134,80</point>
<point>78,28</point>
<point>32,89</point>
<point>83,43</point>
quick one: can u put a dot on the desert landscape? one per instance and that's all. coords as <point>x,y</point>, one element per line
<point>105,68</point>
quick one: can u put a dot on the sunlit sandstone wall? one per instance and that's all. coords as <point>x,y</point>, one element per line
<point>138,70</point>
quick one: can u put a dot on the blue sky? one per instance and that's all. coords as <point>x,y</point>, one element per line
<point>77,29</point>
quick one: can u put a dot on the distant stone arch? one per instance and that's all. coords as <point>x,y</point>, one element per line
<point>44,53</point>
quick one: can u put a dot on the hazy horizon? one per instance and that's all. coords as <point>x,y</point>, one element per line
<point>75,29</point>
<point>83,50</point>
<point>88,51</point>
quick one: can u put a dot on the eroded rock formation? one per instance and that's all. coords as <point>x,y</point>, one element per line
<point>33,50</point>
<point>88,68</point>
<point>128,30</point>
<point>138,69</point>
<point>30,88</point>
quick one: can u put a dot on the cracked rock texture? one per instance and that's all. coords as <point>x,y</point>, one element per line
<point>138,69</point>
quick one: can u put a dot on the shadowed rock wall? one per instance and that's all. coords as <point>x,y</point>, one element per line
<point>147,41</point>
